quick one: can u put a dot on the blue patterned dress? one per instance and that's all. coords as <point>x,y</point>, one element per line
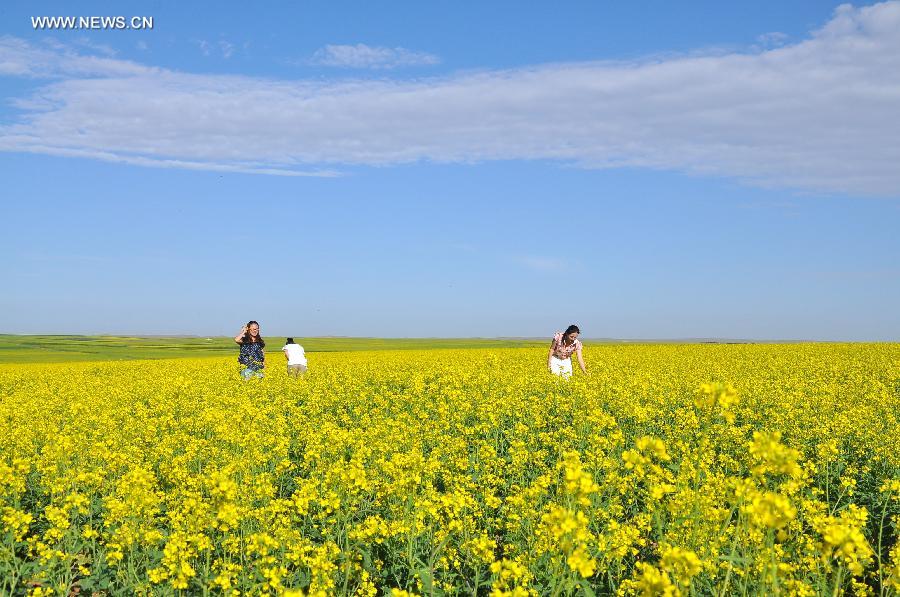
<point>251,356</point>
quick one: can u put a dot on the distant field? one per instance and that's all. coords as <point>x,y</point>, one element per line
<point>59,349</point>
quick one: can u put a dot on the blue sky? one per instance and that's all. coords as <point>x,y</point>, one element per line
<point>658,170</point>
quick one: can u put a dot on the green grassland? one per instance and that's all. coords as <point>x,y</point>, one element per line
<point>60,349</point>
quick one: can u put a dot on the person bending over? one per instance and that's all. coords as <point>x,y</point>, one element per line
<point>296,358</point>
<point>559,359</point>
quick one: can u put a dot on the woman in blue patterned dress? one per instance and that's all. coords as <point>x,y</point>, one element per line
<point>252,355</point>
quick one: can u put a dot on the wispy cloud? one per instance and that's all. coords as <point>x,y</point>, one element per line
<point>221,47</point>
<point>155,162</point>
<point>363,56</point>
<point>91,45</point>
<point>226,48</point>
<point>52,59</point>
<point>819,115</point>
<point>772,39</point>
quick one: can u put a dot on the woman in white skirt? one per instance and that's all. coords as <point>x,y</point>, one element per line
<point>559,360</point>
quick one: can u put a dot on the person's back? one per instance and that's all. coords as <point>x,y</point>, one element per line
<point>296,357</point>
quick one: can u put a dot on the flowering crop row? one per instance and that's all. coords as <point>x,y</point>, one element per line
<point>674,469</point>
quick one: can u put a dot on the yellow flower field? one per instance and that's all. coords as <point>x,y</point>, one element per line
<point>672,469</point>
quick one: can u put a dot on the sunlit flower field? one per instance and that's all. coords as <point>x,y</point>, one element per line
<point>671,470</point>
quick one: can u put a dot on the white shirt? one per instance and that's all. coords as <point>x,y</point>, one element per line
<point>295,354</point>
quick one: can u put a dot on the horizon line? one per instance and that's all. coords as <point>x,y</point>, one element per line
<point>685,339</point>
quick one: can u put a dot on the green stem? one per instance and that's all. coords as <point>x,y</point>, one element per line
<point>345,547</point>
<point>878,551</point>
<point>730,565</point>
<point>774,565</point>
<point>837,583</point>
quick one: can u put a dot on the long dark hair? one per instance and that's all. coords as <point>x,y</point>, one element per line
<point>248,340</point>
<point>570,329</point>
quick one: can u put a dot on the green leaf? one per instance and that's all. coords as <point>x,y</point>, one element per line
<point>586,587</point>
<point>427,580</point>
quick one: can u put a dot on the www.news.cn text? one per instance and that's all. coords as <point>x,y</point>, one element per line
<point>96,22</point>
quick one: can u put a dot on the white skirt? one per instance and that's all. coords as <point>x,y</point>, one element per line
<point>561,367</point>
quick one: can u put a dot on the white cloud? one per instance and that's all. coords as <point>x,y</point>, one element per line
<point>820,115</point>
<point>157,162</point>
<point>226,48</point>
<point>363,56</point>
<point>52,59</point>
<point>772,39</point>
<point>101,48</point>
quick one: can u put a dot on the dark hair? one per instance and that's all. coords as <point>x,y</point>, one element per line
<point>246,339</point>
<point>570,329</point>
<point>289,341</point>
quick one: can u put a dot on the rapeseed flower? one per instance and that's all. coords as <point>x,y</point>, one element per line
<point>441,470</point>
